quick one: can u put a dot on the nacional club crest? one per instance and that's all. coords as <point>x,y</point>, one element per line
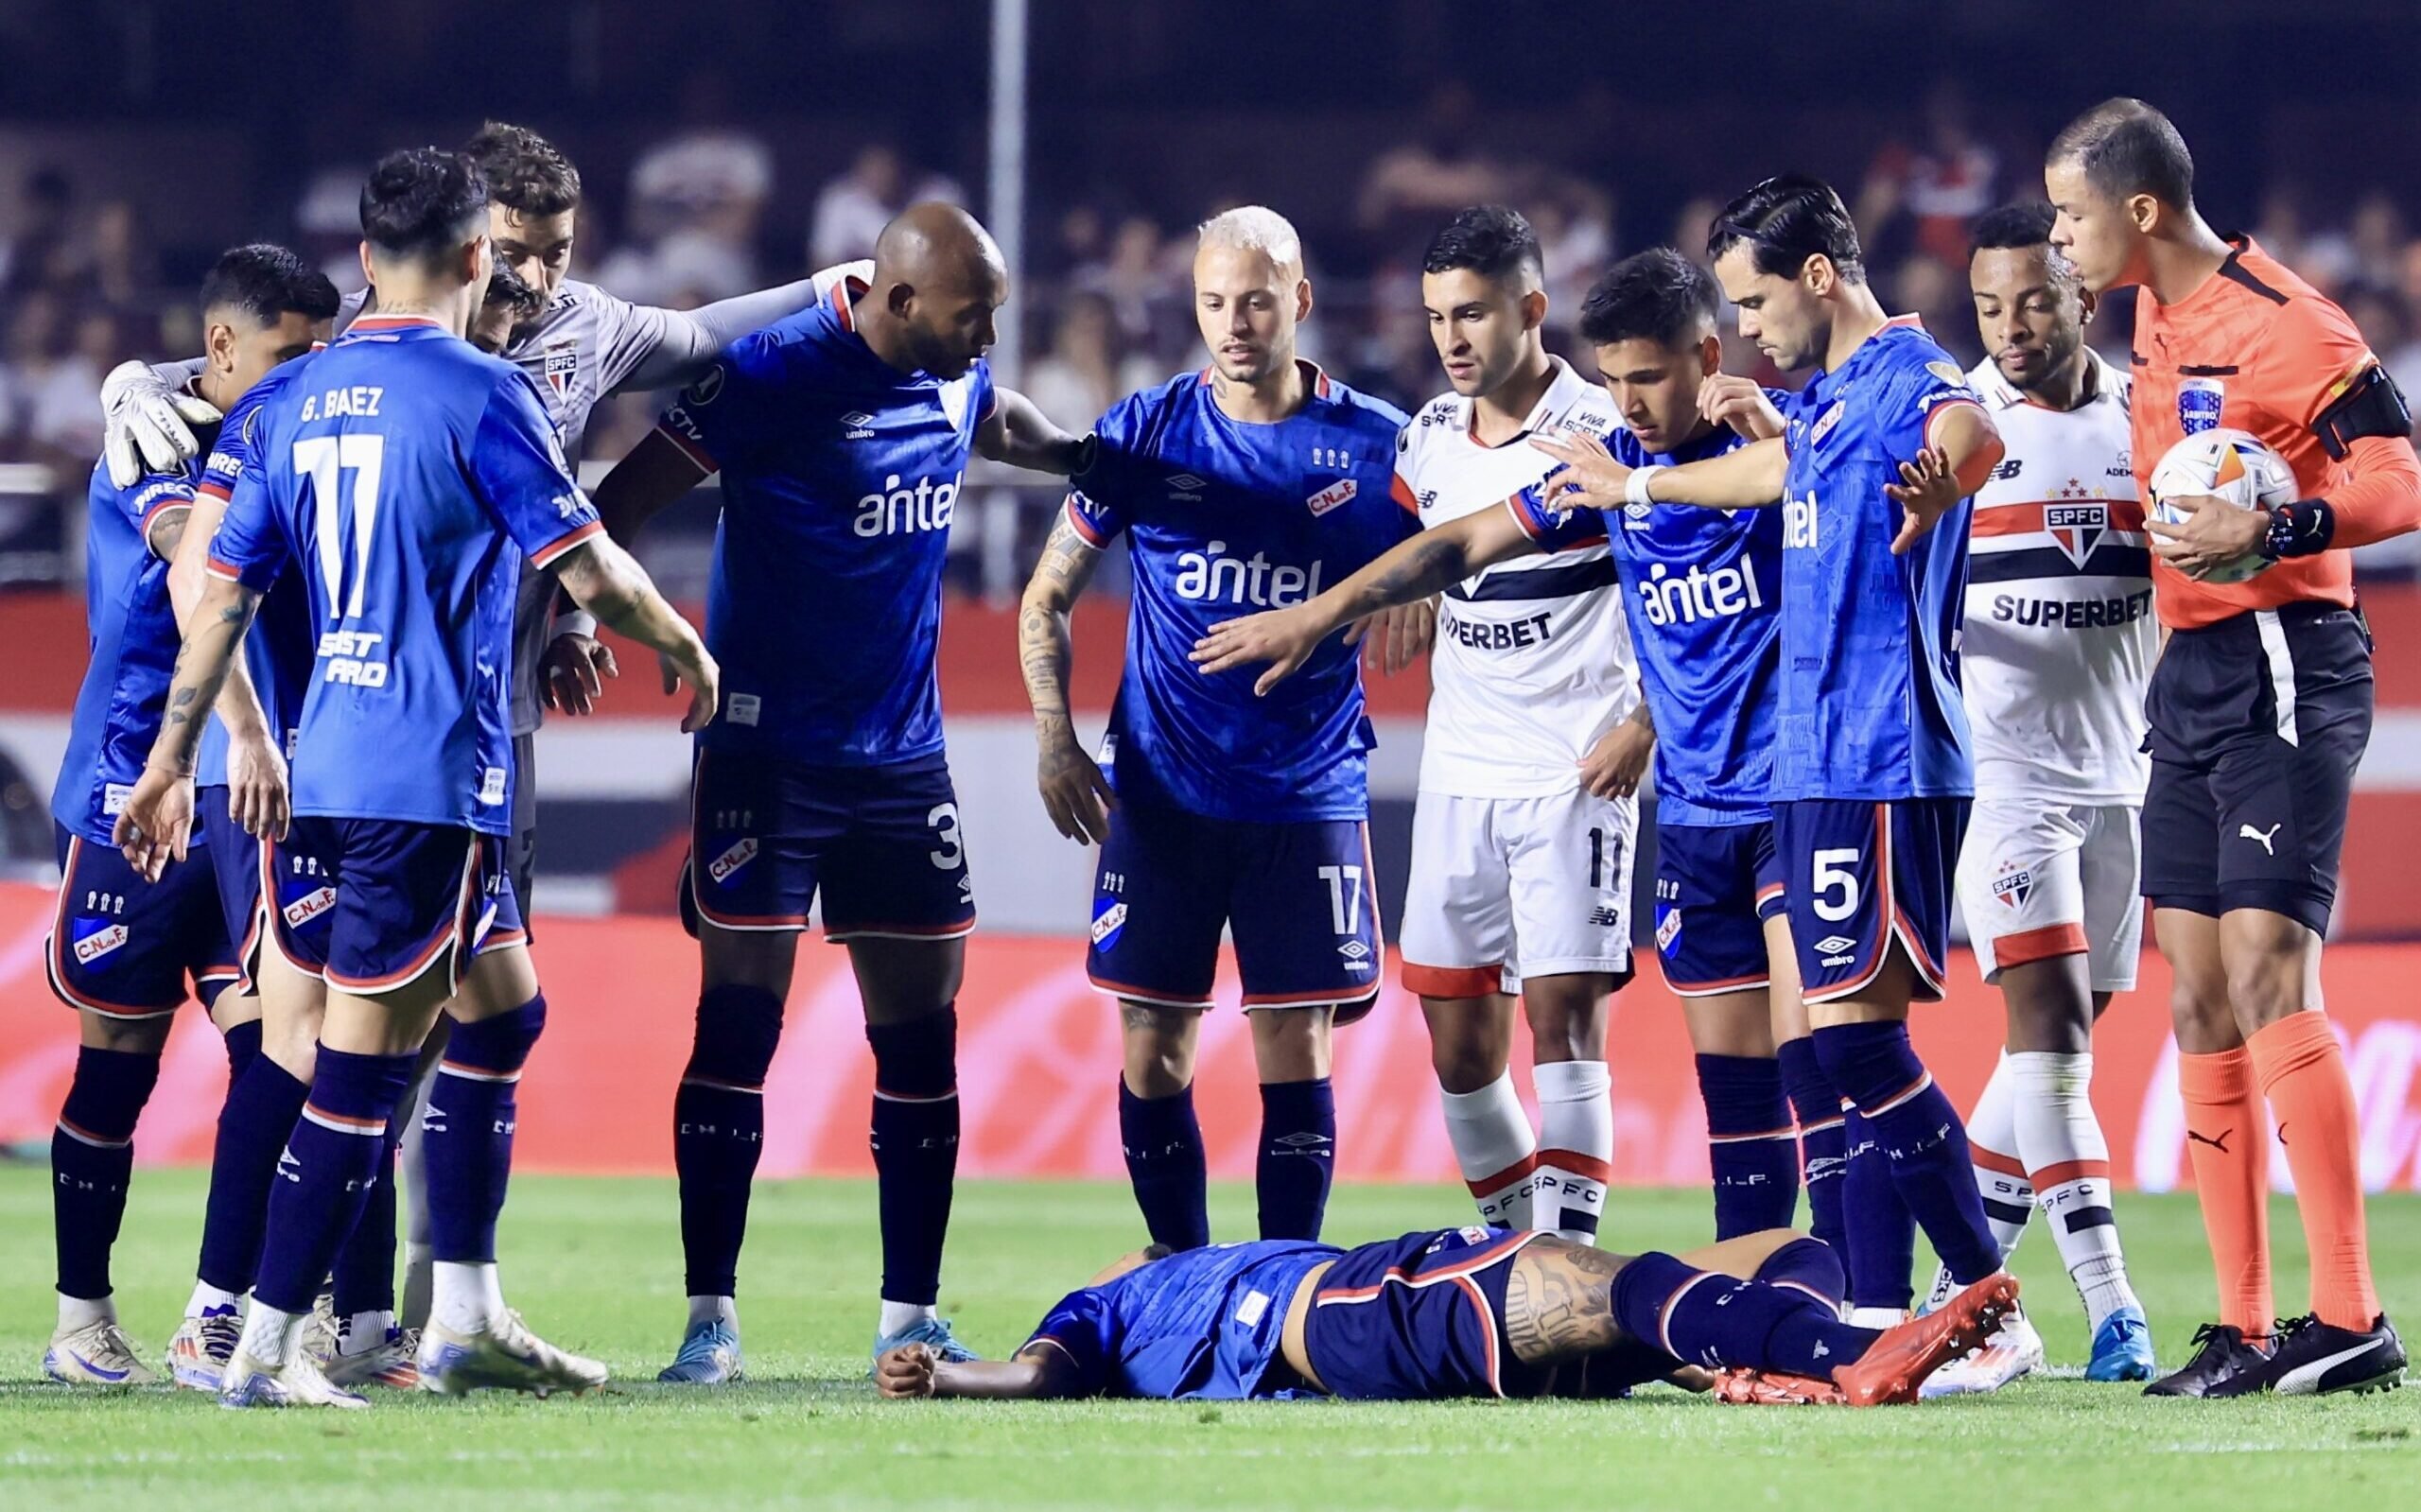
<point>2013,886</point>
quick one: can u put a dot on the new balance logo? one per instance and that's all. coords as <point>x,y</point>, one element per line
<point>2008,469</point>
<point>2221,1144</point>
<point>2248,832</point>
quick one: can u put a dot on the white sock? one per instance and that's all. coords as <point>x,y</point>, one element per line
<point>468,1299</point>
<point>207,1298</point>
<point>1575,1147</point>
<point>419,1272</point>
<point>1874,1317</point>
<point>2000,1174</point>
<point>2061,1141</point>
<point>713,1309</point>
<point>270,1335</point>
<point>898,1316</point>
<point>363,1332</point>
<point>84,1311</point>
<point>1493,1145</point>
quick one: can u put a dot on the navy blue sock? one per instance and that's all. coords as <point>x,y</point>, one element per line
<point>364,1279</point>
<point>262,1106</point>
<point>1165,1162</point>
<point>1717,1321</point>
<point>92,1154</point>
<point>1920,1133</point>
<point>1751,1144</point>
<point>466,1134</point>
<point>1298,1157</point>
<point>243,1044</point>
<point>1882,1231</point>
<point>1823,1148</point>
<point>719,1129</point>
<point>915,1148</point>
<point>1811,1267</point>
<point>329,1164</point>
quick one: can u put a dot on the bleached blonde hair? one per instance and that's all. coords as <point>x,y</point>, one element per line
<point>1257,228</point>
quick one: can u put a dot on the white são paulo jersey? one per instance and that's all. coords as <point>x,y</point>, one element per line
<point>2060,637</point>
<point>1533,662</point>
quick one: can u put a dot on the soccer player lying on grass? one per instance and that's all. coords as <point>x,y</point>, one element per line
<point>1466,1313</point>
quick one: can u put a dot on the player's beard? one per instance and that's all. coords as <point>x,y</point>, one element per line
<point>2060,348</point>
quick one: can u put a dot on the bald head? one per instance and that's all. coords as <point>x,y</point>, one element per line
<point>938,276</point>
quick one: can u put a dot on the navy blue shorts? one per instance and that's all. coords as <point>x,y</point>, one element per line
<point>370,905</point>
<point>236,866</point>
<point>1860,875</point>
<point>1417,1318</point>
<point>124,947</point>
<point>1300,899</point>
<point>1715,886</point>
<point>881,844</point>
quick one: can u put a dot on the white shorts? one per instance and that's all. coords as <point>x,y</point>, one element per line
<point>1507,887</point>
<point>2039,879</point>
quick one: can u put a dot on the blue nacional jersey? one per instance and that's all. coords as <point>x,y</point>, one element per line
<point>278,648</point>
<point>133,640</point>
<point>1702,589</point>
<point>1870,706</point>
<point>403,472</point>
<point>1225,518</point>
<point>1207,1324</point>
<point>840,475</point>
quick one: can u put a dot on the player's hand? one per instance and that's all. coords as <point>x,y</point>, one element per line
<point>573,670</point>
<point>257,794</point>
<point>1614,765</point>
<point>153,829</point>
<point>1282,639</point>
<point>1074,792</point>
<point>906,1372</point>
<point>1926,491</point>
<point>2214,534</point>
<point>1729,399</point>
<point>147,425</point>
<point>694,665</point>
<point>1591,476</point>
<point>1393,639</point>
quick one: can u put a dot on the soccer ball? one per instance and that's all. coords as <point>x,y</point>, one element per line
<point>2231,466</point>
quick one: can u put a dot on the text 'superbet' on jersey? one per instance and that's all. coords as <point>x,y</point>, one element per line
<point>839,476</point>
<point>1226,518</point>
<point>402,473</point>
<point>1870,701</point>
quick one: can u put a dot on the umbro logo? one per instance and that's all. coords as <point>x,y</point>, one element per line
<point>857,425</point>
<point>1187,487</point>
<point>1354,950</point>
<point>1836,944</point>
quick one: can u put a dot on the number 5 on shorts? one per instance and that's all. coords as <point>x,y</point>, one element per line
<point>1832,875</point>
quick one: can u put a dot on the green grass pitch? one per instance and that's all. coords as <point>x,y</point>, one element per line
<point>596,1265</point>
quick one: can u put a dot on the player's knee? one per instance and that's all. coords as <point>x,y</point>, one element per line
<point>2265,986</point>
<point>762,960</point>
<point>739,1029</point>
<point>133,1036</point>
<point>916,1057</point>
<point>1158,1047</point>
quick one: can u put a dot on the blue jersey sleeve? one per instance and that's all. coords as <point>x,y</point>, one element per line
<point>156,494</point>
<point>718,420</point>
<point>1556,529</point>
<point>1084,1326</point>
<point>1094,505</point>
<point>1919,390</point>
<point>522,474</point>
<point>250,547</point>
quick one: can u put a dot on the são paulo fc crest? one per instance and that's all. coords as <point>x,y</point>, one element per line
<point>2013,886</point>
<point>562,365</point>
<point>2076,529</point>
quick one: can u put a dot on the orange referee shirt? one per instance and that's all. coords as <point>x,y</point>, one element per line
<point>2258,350</point>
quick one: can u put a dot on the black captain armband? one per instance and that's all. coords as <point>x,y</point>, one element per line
<point>2301,528</point>
<point>2370,405</point>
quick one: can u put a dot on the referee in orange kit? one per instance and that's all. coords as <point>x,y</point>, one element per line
<point>2259,709</point>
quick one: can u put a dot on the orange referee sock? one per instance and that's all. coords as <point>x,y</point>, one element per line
<point>2302,1073</point>
<point>2227,1137</point>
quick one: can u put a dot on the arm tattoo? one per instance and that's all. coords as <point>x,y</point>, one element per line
<point>1559,1302</point>
<point>1430,563</point>
<point>169,533</point>
<point>1044,641</point>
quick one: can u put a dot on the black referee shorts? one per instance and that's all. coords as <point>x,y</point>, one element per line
<point>2258,724</point>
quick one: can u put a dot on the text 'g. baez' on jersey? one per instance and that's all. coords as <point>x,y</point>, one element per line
<point>1703,593</point>
<point>2060,634</point>
<point>1870,700</point>
<point>1225,518</point>
<point>841,475</point>
<point>1531,663</point>
<point>404,474</point>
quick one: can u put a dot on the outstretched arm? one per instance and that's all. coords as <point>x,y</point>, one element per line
<point>608,583</point>
<point>911,1371</point>
<point>1074,792</point>
<point>687,341</point>
<point>1744,478</point>
<point>1413,568</point>
<point>642,484</point>
<point>1018,433</point>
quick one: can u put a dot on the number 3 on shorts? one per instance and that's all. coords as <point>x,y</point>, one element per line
<point>1834,884</point>
<point>944,820</point>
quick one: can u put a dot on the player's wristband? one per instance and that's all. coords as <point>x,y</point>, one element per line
<point>1635,486</point>
<point>576,622</point>
<point>2303,529</point>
